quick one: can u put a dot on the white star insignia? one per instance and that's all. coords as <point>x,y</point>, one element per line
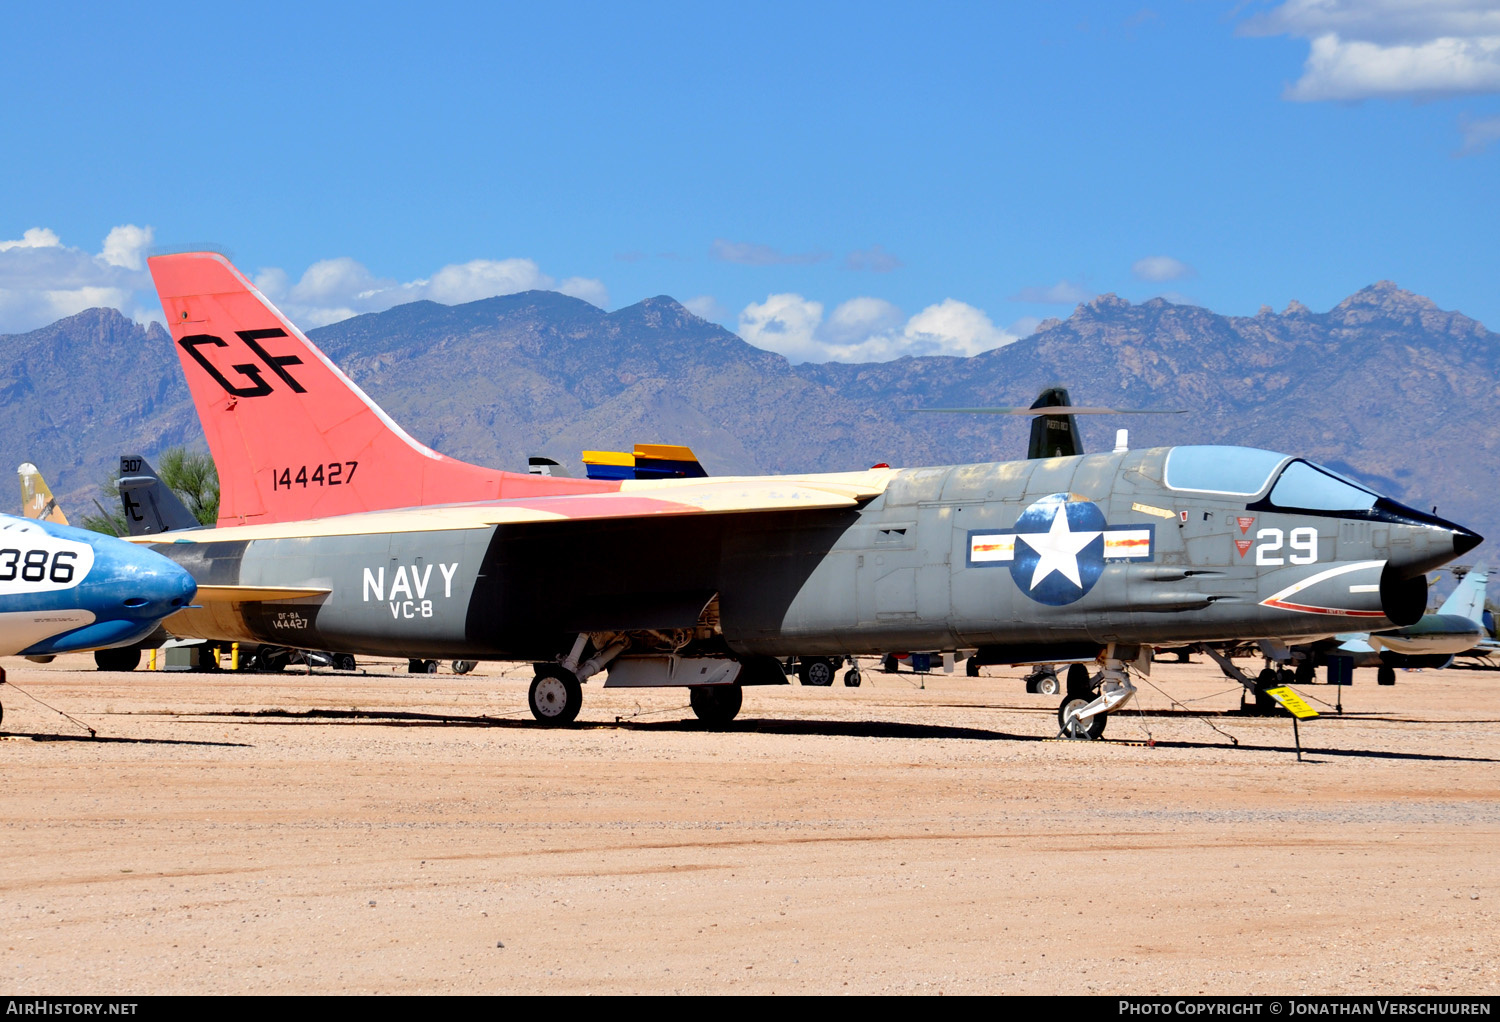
<point>1057,549</point>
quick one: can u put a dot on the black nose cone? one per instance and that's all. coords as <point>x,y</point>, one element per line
<point>1464,540</point>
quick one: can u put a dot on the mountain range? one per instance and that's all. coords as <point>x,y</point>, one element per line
<point>1385,386</point>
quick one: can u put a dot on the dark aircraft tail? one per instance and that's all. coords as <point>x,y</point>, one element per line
<point>1053,436</point>
<point>150,505</point>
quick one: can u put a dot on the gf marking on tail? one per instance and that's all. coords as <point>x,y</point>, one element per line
<point>259,385</point>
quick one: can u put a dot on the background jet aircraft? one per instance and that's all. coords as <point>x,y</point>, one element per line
<point>64,589</point>
<point>1057,558</point>
<point>1431,641</point>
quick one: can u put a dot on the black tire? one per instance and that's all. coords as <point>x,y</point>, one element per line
<point>1386,675</point>
<point>1184,656</point>
<point>1265,706</point>
<point>344,662</point>
<point>972,667</point>
<point>815,670</point>
<point>852,678</point>
<point>272,658</point>
<point>121,658</point>
<point>716,705</point>
<point>555,696</point>
<point>1306,673</point>
<point>1079,682</point>
<point>464,666</point>
<point>1048,685</point>
<point>889,664</point>
<point>1091,730</point>
<point>416,667</point>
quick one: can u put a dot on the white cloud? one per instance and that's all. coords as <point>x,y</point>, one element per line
<point>1159,268</point>
<point>867,329</point>
<point>1479,135</point>
<point>1064,292</point>
<point>126,246</point>
<point>42,280</point>
<point>707,307</point>
<point>34,237</point>
<point>784,323</point>
<point>860,318</point>
<point>1363,49</point>
<point>590,290</point>
<point>331,290</point>
<point>748,253</point>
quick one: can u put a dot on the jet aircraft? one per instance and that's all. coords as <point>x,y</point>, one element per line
<point>64,589</point>
<point>704,582</point>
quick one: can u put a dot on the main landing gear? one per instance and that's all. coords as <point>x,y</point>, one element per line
<point>1089,701</point>
<point>555,695</point>
<point>714,683</point>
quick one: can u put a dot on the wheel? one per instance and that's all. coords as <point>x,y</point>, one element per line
<point>852,678</point>
<point>972,667</point>
<point>815,670</point>
<point>429,666</point>
<point>121,658</point>
<point>1048,685</point>
<point>1265,706</point>
<point>716,704</point>
<point>889,664</point>
<point>555,695</point>
<point>344,662</point>
<point>1306,672</point>
<point>1091,728</point>
<point>272,658</point>
<point>1079,682</point>
<point>1386,675</point>
<point>464,666</point>
<point>1184,656</point>
<point>416,667</point>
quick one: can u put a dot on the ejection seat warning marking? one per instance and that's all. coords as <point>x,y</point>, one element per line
<point>1149,509</point>
<point>1293,703</point>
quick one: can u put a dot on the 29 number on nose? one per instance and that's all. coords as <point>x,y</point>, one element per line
<point>1301,546</point>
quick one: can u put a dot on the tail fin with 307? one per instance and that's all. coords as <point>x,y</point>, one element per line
<point>291,435</point>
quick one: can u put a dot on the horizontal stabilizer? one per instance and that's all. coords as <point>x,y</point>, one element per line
<point>256,594</point>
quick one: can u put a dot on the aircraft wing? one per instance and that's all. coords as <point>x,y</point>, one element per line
<point>635,499</point>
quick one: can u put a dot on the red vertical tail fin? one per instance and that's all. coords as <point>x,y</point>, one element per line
<point>292,436</point>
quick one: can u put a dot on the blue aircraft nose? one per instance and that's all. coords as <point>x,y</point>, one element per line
<point>127,590</point>
<point>159,587</point>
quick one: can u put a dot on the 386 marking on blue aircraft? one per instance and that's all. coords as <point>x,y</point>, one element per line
<point>1058,548</point>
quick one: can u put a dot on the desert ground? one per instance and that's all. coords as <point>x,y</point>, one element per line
<point>384,832</point>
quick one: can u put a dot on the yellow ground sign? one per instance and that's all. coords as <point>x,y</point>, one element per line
<point>1293,703</point>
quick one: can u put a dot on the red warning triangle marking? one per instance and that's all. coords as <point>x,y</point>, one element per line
<point>1243,546</point>
<point>1244,524</point>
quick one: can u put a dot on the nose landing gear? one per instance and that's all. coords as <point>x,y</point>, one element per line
<point>1082,717</point>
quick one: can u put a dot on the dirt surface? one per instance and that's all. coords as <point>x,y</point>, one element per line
<point>385,832</point>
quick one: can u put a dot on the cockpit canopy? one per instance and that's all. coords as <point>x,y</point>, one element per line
<point>1248,471</point>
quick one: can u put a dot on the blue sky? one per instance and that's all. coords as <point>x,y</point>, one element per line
<point>852,181</point>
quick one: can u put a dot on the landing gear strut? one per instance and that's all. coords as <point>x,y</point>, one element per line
<point>1081,717</point>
